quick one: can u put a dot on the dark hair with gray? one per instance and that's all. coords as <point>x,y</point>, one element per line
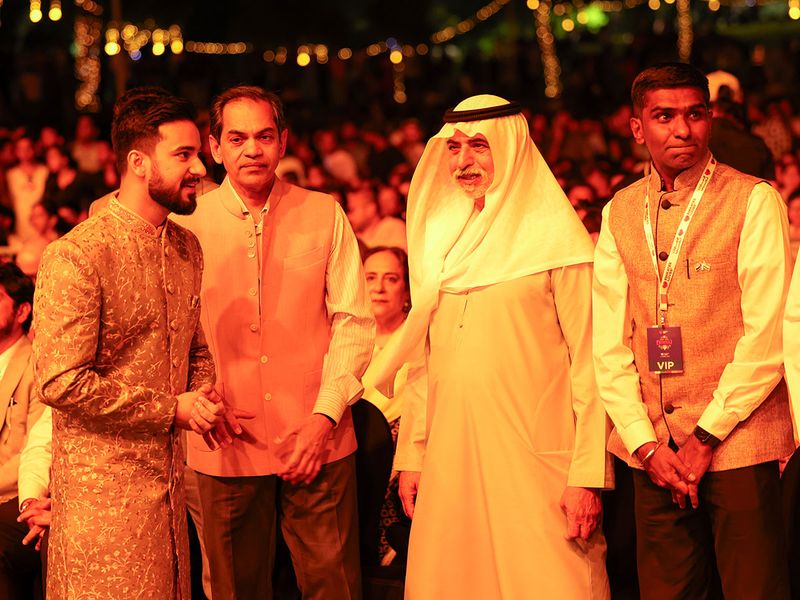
<point>399,254</point>
<point>667,75</point>
<point>18,287</point>
<point>138,114</point>
<point>250,92</point>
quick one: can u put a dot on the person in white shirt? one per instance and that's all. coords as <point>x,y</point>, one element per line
<point>20,410</point>
<point>690,277</point>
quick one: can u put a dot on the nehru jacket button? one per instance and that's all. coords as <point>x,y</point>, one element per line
<point>665,204</point>
<point>170,288</point>
<point>173,324</point>
<point>252,291</point>
<point>253,327</point>
<point>668,408</point>
<point>251,254</point>
<point>267,397</point>
<point>251,244</point>
<point>264,359</point>
<point>249,233</point>
<point>663,255</point>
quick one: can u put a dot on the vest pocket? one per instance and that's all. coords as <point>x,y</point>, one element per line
<point>305,259</point>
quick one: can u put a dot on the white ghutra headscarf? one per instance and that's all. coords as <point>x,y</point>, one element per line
<point>526,226</point>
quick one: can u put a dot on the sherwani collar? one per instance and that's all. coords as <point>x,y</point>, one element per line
<point>133,220</point>
<point>232,203</point>
<point>16,367</point>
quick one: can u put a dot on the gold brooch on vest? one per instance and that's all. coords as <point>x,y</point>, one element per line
<point>702,266</point>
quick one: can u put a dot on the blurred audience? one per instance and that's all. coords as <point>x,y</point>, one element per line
<point>370,227</point>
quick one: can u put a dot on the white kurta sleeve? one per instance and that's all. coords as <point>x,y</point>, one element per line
<point>617,377</point>
<point>35,459</point>
<point>591,465</point>
<point>413,434</point>
<point>764,267</point>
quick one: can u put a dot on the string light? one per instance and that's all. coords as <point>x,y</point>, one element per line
<point>794,9</point>
<point>685,32</point>
<point>54,14</point>
<point>35,13</point>
<point>468,24</point>
<point>544,36</point>
<point>87,62</point>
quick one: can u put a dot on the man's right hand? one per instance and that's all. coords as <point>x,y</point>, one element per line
<point>666,469</point>
<point>197,411</point>
<point>408,484</point>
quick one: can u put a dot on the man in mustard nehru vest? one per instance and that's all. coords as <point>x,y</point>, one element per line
<point>691,273</point>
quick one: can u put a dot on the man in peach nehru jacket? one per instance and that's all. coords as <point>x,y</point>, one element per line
<point>691,272</point>
<point>288,320</point>
<point>502,440</point>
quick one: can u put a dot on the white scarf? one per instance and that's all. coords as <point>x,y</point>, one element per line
<point>526,226</point>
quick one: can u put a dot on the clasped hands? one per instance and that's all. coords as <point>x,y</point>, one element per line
<point>205,412</point>
<point>37,517</point>
<point>301,449</point>
<point>679,472</point>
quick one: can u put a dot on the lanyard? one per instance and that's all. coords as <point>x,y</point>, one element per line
<point>680,235</point>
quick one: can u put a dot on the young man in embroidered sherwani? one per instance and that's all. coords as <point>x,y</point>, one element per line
<point>121,358</point>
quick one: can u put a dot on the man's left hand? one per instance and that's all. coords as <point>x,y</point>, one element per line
<point>37,516</point>
<point>697,455</point>
<point>582,507</point>
<point>305,460</point>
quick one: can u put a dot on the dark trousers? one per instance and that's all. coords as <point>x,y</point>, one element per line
<point>319,523</point>
<point>732,545</point>
<point>20,566</point>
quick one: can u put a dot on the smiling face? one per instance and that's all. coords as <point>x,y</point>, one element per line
<point>675,125</point>
<point>470,162</point>
<point>175,167</point>
<point>250,144</point>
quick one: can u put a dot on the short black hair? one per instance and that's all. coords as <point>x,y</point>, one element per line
<point>19,288</point>
<point>138,114</point>
<point>667,75</point>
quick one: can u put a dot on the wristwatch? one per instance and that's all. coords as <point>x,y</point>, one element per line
<point>705,437</point>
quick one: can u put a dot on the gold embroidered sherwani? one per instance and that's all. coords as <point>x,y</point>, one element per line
<point>118,337</point>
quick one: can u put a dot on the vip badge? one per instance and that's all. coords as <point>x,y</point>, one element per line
<point>664,350</point>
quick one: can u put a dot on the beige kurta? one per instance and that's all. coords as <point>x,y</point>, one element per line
<point>117,338</point>
<point>513,417</point>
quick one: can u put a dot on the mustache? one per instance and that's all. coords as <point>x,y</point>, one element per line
<point>469,171</point>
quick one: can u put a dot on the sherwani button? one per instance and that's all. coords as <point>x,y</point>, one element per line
<point>170,288</point>
<point>252,291</point>
<point>173,324</point>
<point>253,327</point>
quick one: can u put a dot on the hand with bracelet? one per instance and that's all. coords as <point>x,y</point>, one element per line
<point>36,515</point>
<point>666,469</point>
